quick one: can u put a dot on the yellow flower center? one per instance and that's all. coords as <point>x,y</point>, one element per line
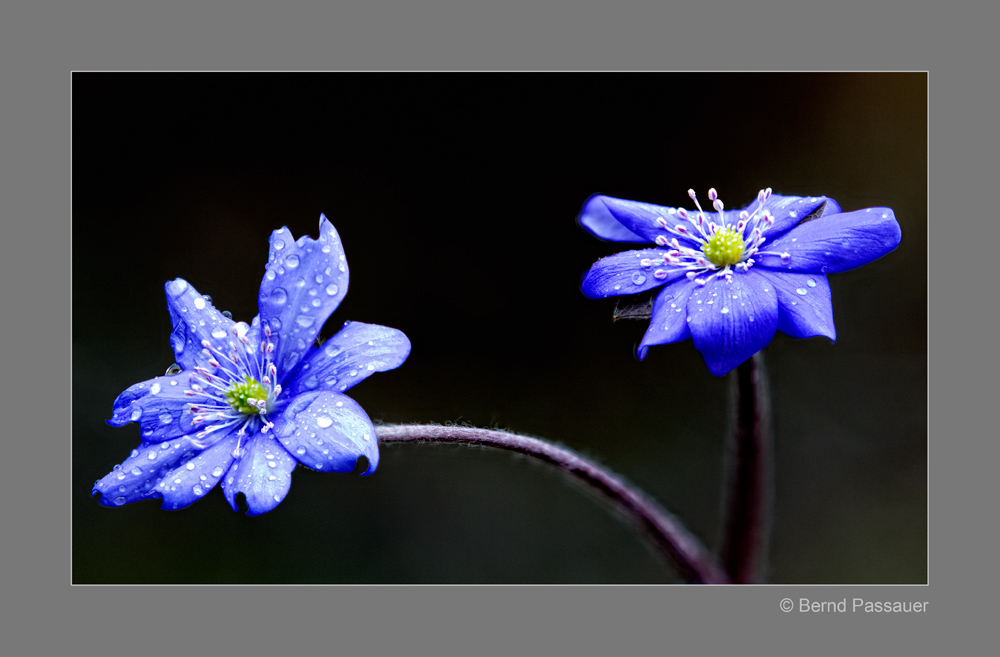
<point>239,395</point>
<point>723,248</point>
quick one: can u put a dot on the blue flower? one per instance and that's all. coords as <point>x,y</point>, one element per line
<point>731,278</point>
<point>245,404</point>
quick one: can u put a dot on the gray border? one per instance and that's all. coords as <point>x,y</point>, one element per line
<point>49,44</point>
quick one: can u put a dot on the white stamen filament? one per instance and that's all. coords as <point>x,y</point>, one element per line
<point>692,258</point>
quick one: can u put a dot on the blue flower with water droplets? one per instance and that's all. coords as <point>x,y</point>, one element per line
<point>731,278</point>
<point>245,404</point>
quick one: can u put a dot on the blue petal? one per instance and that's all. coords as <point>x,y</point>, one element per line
<point>669,316</point>
<point>730,322</point>
<point>835,243</point>
<point>195,320</point>
<point>598,220</point>
<point>304,283</point>
<point>352,355</point>
<point>142,471</point>
<point>788,211</point>
<point>623,273</point>
<point>158,405</point>
<point>262,472</point>
<point>805,306</point>
<point>190,482</point>
<point>328,431</point>
<point>634,218</point>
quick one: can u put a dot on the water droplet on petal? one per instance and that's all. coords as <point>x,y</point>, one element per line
<point>136,414</point>
<point>279,296</point>
<point>811,283</point>
<point>323,421</point>
<point>801,290</point>
<point>119,501</point>
<point>292,261</point>
<point>166,418</point>
<point>198,490</point>
<point>638,278</point>
<point>724,310</point>
<point>304,321</point>
<point>279,244</point>
<point>217,472</point>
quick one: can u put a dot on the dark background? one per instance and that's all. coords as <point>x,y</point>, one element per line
<point>456,196</point>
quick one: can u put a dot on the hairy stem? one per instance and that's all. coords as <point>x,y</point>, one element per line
<point>682,549</point>
<point>748,517</point>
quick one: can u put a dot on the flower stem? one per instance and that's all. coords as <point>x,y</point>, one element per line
<point>748,520</point>
<point>683,550</point>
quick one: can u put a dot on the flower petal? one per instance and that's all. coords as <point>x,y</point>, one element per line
<point>328,431</point>
<point>835,243</point>
<point>805,306</point>
<point>634,218</point>
<point>356,352</point>
<point>158,405</point>
<point>731,321</point>
<point>596,218</point>
<point>142,471</point>
<point>195,320</point>
<point>304,283</point>
<point>788,211</point>
<point>262,472</point>
<point>669,316</point>
<point>623,273</point>
<point>190,482</point>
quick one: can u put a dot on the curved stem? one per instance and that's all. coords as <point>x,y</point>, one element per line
<point>683,550</point>
<point>748,521</point>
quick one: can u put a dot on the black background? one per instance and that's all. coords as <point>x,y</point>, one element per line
<point>455,196</point>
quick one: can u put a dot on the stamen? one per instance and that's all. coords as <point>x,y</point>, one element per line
<point>723,249</point>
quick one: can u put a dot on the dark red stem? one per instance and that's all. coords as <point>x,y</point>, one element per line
<point>748,519</point>
<point>683,550</point>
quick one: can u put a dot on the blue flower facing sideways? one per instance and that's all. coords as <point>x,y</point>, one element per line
<point>245,404</point>
<point>731,278</point>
